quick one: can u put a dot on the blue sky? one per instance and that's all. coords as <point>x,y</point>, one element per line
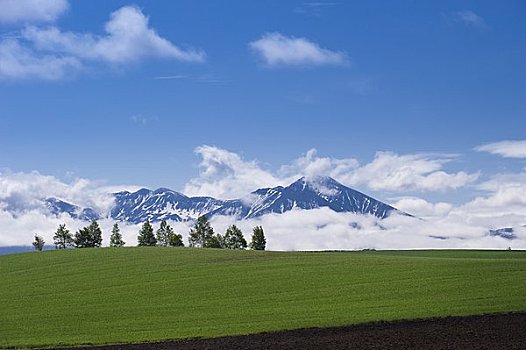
<point>407,77</point>
<point>419,104</point>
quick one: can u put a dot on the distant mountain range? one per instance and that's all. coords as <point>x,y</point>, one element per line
<point>156,205</point>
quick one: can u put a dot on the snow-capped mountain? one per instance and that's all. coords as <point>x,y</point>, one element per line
<point>305,194</point>
<point>57,207</point>
<point>144,204</point>
<point>160,204</point>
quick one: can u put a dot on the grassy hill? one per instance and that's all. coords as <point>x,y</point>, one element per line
<point>118,295</point>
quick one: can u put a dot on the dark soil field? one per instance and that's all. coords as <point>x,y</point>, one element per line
<point>506,331</point>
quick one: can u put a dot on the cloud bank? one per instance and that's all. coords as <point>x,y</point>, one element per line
<point>226,175</point>
<point>276,49</point>
<point>499,202</point>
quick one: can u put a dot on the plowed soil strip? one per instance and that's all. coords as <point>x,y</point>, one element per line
<point>505,331</point>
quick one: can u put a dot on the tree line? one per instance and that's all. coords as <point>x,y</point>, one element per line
<point>201,235</point>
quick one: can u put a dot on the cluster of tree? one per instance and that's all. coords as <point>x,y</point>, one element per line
<point>165,236</point>
<point>201,235</point>
<point>87,237</point>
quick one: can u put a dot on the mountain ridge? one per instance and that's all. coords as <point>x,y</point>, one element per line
<point>166,204</point>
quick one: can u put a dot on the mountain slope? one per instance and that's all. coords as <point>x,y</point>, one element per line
<point>306,194</point>
<point>160,204</point>
<point>145,204</point>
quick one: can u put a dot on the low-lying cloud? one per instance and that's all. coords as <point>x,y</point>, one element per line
<point>316,229</point>
<point>498,202</point>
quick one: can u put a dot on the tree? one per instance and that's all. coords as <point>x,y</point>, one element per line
<point>146,236</point>
<point>216,241</point>
<point>62,238</point>
<point>89,236</point>
<point>258,239</point>
<point>116,237</point>
<point>38,243</point>
<point>201,234</point>
<point>175,240</point>
<point>234,238</point>
<point>164,233</point>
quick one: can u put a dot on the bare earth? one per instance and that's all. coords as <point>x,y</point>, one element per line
<point>493,332</point>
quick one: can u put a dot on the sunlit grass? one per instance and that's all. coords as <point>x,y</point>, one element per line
<point>108,295</point>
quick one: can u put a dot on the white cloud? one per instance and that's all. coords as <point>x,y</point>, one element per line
<point>19,62</point>
<point>410,172</point>
<point>28,190</point>
<point>463,226</point>
<point>503,205</point>
<point>470,18</point>
<point>49,53</point>
<point>423,209</point>
<point>276,49</point>
<point>129,38</point>
<point>226,175</point>
<point>12,11</point>
<point>323,229</point>
<point>311,166</point>
<point>508,149</point>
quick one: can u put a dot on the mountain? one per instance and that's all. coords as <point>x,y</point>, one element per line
<point>57,207</point>
<point>305,194</point>
<point>321,192</point>
<point>160,204</point>
<point>505,232</point>
<point>163,203</point>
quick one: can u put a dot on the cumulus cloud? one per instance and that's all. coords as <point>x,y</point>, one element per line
<point>276,50</point>
<point>311,165</point>
<point>502,205</point>
<point>13,11</point>
<point>421,208</point>
<point>50,53</point>
<point>390,171</point>
<point>19,62</point>
<point>224,174</point>
<point>27,190</point>
<point>128,38</point>
<point>227,175</point>
<point>508,149</point>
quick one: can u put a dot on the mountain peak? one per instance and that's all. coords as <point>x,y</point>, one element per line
<point>308,192</point>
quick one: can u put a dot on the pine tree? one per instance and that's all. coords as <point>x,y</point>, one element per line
<point>175,240</point>
<point>163,234</point>
<point>234,238</point>
<point>116,237</point>
<point>89,236</point>
<point>38,243</point>
<point>258,239</point>
<point>62,238</point>
<point>201,234</point>
<point>216,241</point>
<point>146,236</point>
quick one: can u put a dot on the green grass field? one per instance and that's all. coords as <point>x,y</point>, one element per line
<point>108,295</point>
